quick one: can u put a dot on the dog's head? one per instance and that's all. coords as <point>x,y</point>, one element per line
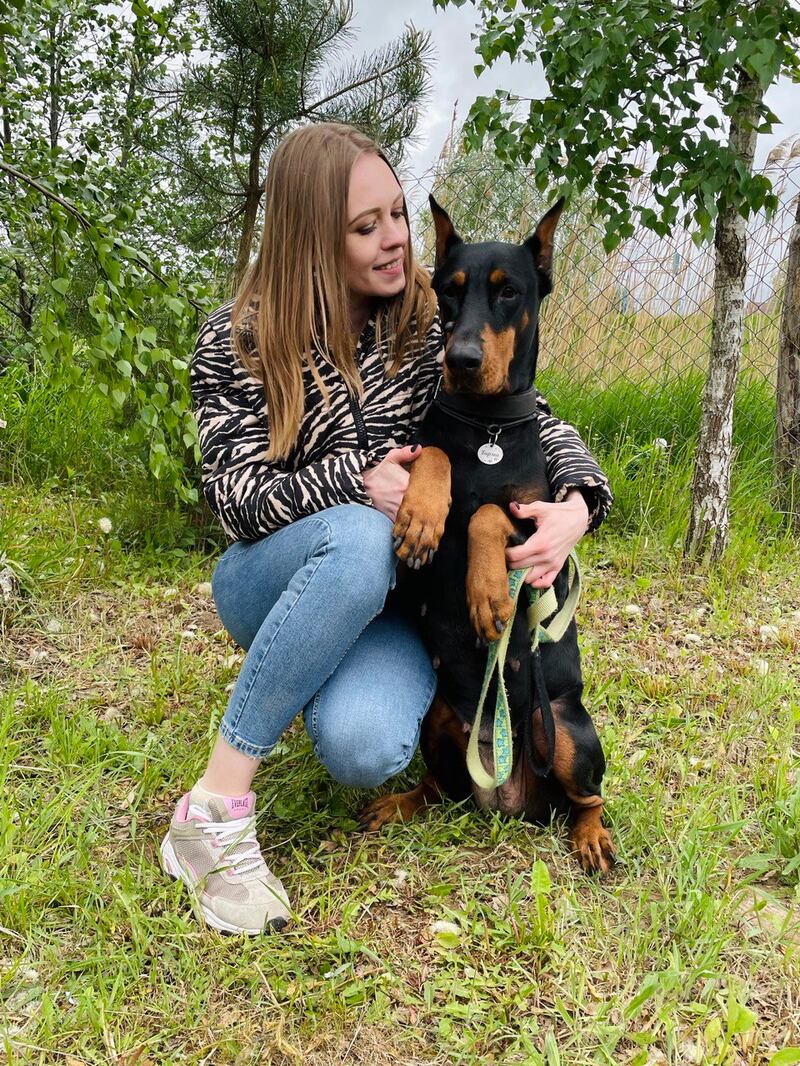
<point>489,296</point>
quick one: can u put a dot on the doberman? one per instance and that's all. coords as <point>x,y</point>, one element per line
<point>481,444</point>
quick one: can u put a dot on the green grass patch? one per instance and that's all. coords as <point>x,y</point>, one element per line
<point>687,953</point>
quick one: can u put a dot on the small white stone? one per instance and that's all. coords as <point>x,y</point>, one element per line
<point>767,633</point>
<point>203,588</point>
<point>105,525</point>
<point>632,609</point>
<point>692,638</point>
<point>399,878</point>
<point>445,927</point>
<point>3,423</point>
<point>169,594</point>
<point>660,444</point>
<point>761,667</point>
<point>54,626</point>
<point>9,586</point>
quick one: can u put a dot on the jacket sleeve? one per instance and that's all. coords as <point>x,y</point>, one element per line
<point>571,466</point>
<point>249,495</point>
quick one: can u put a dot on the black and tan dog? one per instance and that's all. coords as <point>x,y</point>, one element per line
<point>481,445</point>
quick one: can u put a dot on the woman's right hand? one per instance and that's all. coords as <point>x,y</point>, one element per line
<point>386,482</point>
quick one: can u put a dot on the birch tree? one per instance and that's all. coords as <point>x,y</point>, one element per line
<point>787,421</point>
<point>685,84</point>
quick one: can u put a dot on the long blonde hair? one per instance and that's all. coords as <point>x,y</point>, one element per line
<point>294,299</point>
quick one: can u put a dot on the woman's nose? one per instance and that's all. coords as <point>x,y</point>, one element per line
<point>396,234</point>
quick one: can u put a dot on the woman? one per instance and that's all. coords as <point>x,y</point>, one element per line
<point>335,327</point>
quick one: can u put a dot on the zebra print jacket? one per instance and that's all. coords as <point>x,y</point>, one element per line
<point>252,497</point>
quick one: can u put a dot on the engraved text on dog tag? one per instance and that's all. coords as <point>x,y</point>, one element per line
<point>490,453</point>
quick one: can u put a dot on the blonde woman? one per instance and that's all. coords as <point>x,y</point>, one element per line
<point>307,391</point>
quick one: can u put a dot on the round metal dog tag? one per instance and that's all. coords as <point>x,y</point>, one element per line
<point>490,454</point>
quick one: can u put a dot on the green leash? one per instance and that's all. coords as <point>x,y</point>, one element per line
<point>542,606</point>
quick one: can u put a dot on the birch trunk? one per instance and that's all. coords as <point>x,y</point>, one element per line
<point>787,392</point>
<point>709,519</point>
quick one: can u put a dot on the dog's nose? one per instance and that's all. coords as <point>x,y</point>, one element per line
<point>464,357</point>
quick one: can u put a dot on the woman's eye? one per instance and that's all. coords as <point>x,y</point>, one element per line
<point>508,292</point>
<point>367,229</point>
<point>398,214</point>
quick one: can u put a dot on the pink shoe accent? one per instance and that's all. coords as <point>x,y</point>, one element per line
<point>240,806</point>
<point>182,808</point>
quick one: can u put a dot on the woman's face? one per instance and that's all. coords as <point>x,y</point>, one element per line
<point>377,233</point>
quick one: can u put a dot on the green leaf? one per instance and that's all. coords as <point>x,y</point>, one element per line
<point>447,939</point>
<point>786,1057</point>
<point>61,285</point>
<point>648,989</point>
<point>740,1019</point>
<point>540,879</point>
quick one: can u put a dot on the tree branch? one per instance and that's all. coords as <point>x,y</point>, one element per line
<point>85,221</point>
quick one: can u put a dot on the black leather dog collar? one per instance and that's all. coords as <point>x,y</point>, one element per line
<point>520,406</point>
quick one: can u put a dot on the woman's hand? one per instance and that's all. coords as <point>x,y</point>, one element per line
<point>559,527</point>
<point>386,482</point>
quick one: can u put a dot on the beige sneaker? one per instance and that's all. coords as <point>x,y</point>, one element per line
<point>211,846</point>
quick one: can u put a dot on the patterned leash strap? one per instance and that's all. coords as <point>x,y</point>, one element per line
<point>542,606</point>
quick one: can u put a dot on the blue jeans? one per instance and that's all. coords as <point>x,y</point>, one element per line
<point>307,602</point>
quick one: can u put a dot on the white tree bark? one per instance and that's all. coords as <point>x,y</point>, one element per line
<point>787,391</point>
<point>709,520</point>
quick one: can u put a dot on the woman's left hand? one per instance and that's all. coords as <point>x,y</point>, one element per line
<point>559,527</point>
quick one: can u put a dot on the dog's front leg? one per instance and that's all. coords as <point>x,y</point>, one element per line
<point>420,520</point>
<point>489,603</point>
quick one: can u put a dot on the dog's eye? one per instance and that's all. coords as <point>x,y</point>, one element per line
<point>508,292</point>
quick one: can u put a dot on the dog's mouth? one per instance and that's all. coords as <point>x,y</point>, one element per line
<point>469,383</point>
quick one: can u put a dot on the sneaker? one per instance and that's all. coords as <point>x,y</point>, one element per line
<point>211,846</point>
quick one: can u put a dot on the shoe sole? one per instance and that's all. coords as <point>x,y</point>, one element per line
<point>171,866</point>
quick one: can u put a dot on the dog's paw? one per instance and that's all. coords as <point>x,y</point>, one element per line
<point>383,811</point>
<point>418,530</point>
<point>489,610</point>
<point>593,848</point>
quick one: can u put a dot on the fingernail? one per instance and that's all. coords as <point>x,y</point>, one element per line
<point>514,503</point>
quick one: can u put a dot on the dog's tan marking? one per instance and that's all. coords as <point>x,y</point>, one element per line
<point>498,351</point>
<point>524,321</point>
<point>488,601</point>
<point>458,278</point>
<point>591,842</point>
<point>399,806</point>
<point>421,516</point>
<point>497,276</point>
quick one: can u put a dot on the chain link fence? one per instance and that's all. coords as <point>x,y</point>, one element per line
<point>637,322</point>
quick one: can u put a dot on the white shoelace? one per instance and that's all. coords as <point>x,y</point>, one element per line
<point>239,831</point>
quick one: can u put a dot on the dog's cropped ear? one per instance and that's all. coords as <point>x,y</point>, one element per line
<point>446,236</point>
<point>540,244</point>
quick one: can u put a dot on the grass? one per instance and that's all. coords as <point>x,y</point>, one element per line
<point>114,661</point>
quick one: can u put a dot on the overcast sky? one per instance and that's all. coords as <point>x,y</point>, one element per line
<point>454,80</point>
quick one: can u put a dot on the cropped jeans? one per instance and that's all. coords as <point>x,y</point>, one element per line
<point>307,604</point>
